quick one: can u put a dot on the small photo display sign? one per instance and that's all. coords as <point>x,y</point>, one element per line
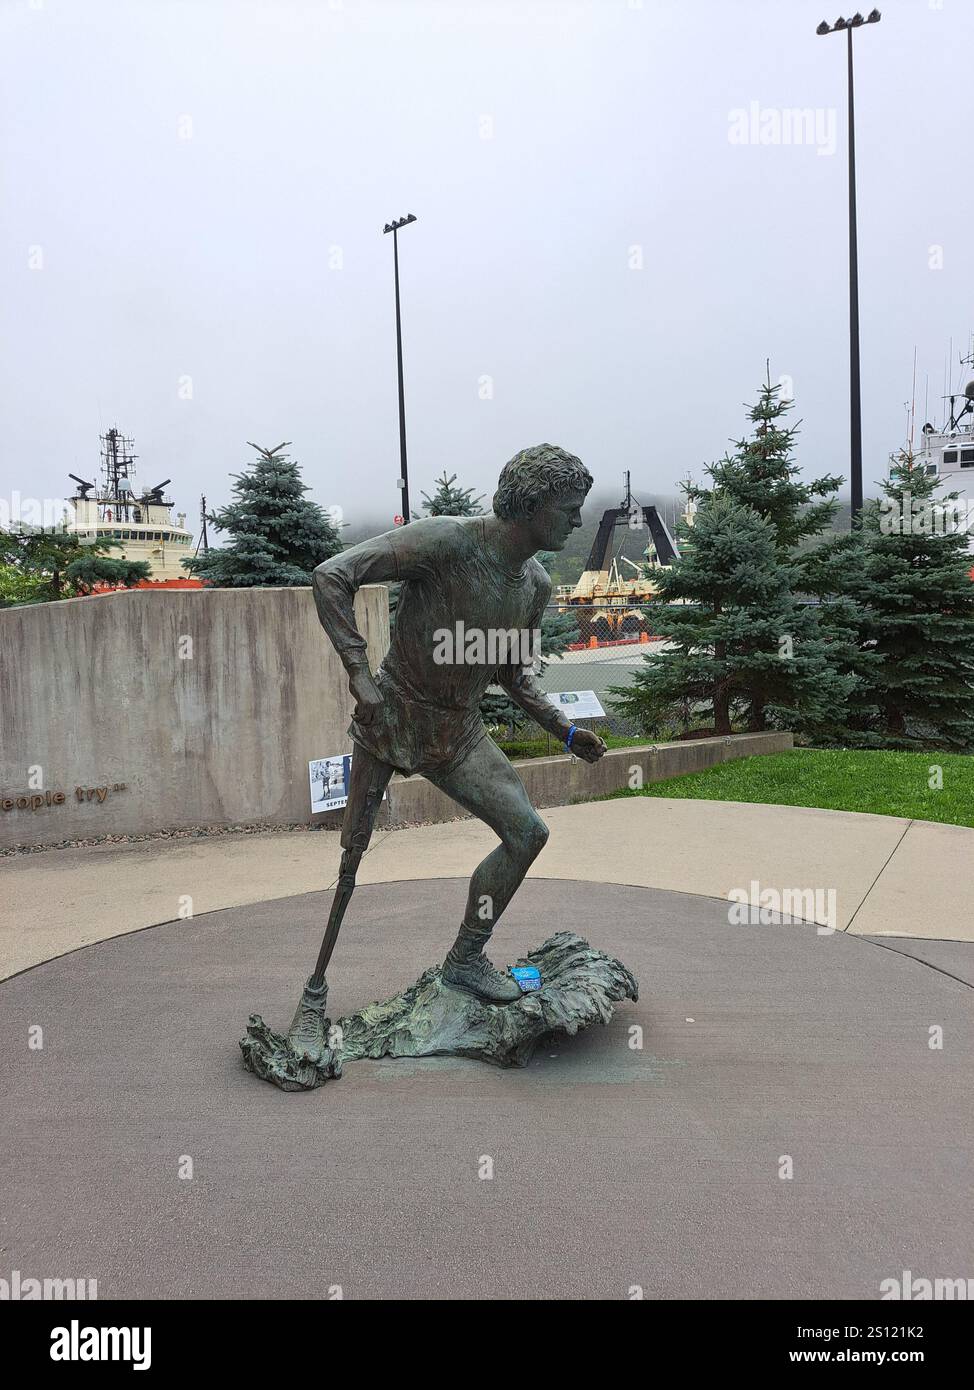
<point>329,779</point>
<point>578,704</point>
<point>329,782</point>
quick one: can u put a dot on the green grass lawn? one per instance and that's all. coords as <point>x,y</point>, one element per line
<point>885,784</point>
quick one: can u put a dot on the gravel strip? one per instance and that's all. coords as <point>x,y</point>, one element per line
<point>195,832</point>
<point>186,832</point>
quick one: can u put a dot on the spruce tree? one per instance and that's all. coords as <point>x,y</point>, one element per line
<point>450,500</point>
<point>761,473</point>
<point>913,581</point>
<point>832,572</point>
<point>738,641</point>
<point>277,536</point>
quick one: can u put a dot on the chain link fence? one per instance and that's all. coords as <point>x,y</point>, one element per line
<point>606,645</point>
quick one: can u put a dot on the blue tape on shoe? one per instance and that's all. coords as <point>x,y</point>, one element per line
<point>528,977</point>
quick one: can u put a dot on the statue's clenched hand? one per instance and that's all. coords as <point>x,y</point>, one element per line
<point>587,745</point>
<point>366,694</point>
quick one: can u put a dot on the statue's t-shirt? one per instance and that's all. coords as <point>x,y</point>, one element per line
<point>434,674</point>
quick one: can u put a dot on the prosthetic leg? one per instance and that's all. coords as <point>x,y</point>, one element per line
<point>367,784</point>
<point>305,1058</point>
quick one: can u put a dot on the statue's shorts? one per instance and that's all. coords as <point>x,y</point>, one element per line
<point>415,736</point>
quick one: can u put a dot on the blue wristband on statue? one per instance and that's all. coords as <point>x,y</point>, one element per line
<point>570,736</point>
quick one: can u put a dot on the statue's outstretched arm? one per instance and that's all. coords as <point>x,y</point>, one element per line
<point>523,688</point>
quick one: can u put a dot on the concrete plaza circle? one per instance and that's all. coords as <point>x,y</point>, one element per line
<point>604,1167</point>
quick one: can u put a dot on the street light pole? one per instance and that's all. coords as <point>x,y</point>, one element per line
<point>393,227</point>
<point>855,401</point>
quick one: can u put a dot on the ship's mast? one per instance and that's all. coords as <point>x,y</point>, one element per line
<point>118,469</point>
<point>966,395</point>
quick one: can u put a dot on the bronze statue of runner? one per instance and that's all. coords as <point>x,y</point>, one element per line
<point>473,584</point>
<point>470,609</point>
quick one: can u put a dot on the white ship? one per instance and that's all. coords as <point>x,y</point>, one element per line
<point>947,453</point>
<point>141,521</point>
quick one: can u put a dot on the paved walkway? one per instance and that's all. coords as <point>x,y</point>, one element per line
<point>891,877</point>
<point>783,1113</point>
<point>769,1120</point>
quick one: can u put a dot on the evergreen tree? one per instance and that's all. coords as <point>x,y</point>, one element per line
<point>913,583</point>
<point>739,642</point>
<point>87,571</point>
<point>45,564</point>
<point>450,500</point>
<point>277,536</point>
<point>16,586</point>
<point>761,473</point>
<point>832,571</point>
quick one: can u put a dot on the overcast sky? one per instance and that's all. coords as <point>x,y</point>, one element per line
<point>192,197</point>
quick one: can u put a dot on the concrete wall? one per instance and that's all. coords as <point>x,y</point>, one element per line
<point>96,694</point>
<point>561,780</point>
<point>204,707</point>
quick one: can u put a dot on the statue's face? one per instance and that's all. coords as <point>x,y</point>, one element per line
<point>553,523</point>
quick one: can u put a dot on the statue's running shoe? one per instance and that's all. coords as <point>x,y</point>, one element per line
<point>307,1034</point>
<point>478,977</point>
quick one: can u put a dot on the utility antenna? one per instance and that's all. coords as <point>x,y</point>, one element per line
<point>951,395</point>
<point>913,398</point>
<point>950,359</point>
<point>203,541</point>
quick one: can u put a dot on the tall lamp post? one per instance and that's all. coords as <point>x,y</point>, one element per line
<point>393,227</point>
<point>855,408</point>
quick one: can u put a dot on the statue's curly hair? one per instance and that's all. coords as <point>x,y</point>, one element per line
<point>533,476</point>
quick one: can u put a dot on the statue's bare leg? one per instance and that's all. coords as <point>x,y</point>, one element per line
<point>486,785</point>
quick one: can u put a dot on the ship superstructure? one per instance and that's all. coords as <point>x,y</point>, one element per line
<point>139,519</point>
<point>602,581</point>
<point>615,599</point>
<point>947,452</point>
